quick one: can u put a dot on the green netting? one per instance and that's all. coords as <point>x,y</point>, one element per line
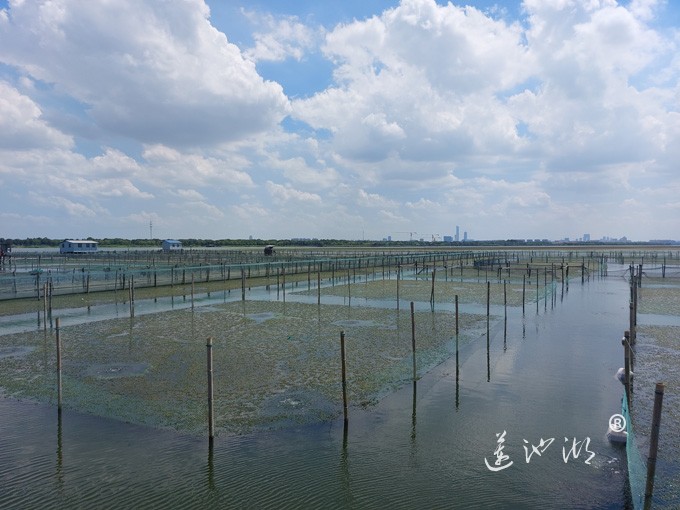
<point>637,471</point>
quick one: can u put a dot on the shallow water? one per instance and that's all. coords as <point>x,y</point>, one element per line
<point>547,375</point>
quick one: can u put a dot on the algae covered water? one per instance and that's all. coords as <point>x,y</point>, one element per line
<point>520,424</point>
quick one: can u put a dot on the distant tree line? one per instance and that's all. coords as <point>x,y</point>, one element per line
<point>116,242</point>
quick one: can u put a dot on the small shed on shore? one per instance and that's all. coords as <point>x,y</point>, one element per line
<point>78,246</point>
<point>171,245</point>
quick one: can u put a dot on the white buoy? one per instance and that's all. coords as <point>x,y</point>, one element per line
<point>621,375</point>
<point>617,436</point>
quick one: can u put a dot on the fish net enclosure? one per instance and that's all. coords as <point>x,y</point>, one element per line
<point>656,355</point>
<point>27,275</point>
<point>637,469</point>
<point>275,362</point>
<point>136,352</point>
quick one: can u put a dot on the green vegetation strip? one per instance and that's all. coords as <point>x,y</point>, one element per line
<point>275,363</point>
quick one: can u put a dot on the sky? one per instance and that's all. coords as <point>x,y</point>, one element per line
<point>225,119</point>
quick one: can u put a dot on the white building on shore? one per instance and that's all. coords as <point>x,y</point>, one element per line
<point>78,246</point>
<point>171,245</point>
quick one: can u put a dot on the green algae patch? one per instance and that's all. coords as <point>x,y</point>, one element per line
<point>659,299</point>
<point>274,363</point>
<point>444,291</point>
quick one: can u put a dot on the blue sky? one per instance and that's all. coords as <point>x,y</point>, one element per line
<point>355,119</point>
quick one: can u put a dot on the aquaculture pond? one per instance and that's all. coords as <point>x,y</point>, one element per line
<point>510,413</point>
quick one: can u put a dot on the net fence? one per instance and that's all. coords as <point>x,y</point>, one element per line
<point>637,470</point>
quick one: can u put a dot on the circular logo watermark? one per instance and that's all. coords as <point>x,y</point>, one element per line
<point>617,423</point>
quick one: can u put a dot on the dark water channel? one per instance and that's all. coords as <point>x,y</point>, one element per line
<point>547,382</point>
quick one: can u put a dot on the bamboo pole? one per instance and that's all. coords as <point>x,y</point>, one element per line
<point>545,288</point>
<point>211,415</point>
<point>457,366</point>
<point>488,303</point>
<point>398,277</point>
<point>456,321</point>
<point>633,331</point>
<point>45,307</point>
<point>654,439</point>
<point>432,291</point>
<point>537,299</point>
<point>626,365</point>
<point>58,365</point>
<point>488,331</point>
<point>344,377</point>
<point>132,309</point>
<point>631,310</point>
<point>49,301</point>
<point>413,339</point>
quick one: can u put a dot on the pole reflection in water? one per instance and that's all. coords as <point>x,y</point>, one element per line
<point>60,456</point>
<point>345,478</point>
<point>413,415</point>
<point>211,465</point>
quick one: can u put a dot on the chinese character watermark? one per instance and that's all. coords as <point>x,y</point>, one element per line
<point>503,460</point>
